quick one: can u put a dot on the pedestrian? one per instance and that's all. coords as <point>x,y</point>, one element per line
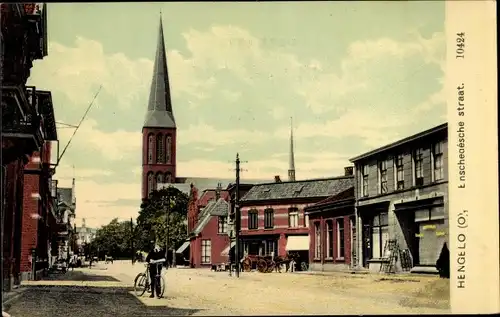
<point>443,262</point>
<point>155,269</point>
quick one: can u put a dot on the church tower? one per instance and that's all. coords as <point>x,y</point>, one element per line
<point>291,163</point>
<point>159,132</point>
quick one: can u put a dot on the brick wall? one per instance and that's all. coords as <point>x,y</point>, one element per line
<point>154,167</point>
<point>31,211</point>
<point>218,242</point>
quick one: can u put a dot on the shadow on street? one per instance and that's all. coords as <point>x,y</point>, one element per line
<point>78,300</point>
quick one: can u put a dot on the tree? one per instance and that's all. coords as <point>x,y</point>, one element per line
<point>152,219</point>
<point>113,239</point>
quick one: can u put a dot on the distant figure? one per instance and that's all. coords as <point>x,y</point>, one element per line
<point>154,255</point>
<point>443,262</point>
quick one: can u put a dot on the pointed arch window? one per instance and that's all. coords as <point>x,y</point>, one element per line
<point>150,183</point>
<point>168,154</point>
<point>168,178</point>
<point>160,149</point>
<point>159,178</point>
<point>150,149</point>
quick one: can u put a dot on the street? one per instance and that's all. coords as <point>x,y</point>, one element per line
<point>107,291</point>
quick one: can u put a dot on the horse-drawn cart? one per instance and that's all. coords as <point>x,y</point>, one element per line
<point>264,264</point>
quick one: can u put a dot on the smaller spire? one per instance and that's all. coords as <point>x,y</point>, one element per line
<point>291,163</point>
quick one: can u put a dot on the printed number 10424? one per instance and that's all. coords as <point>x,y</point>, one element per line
<point>460,51</point>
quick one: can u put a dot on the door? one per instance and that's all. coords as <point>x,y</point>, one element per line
<point>366,244</point>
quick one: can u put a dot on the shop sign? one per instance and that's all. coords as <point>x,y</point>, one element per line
<point>419,235</point>
<point>440,233</point>
<point>429,227</point>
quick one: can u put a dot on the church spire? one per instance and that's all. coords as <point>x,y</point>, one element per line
<point>291,163</point>
<point>160,113</point>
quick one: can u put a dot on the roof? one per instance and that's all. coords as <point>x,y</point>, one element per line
<point>299,189</point>
<point>441,127</point>
<point>213,208</point>
<point>46,109</point>
<point>160,112</point>
<point>340,198</point>
<point>209,194</point>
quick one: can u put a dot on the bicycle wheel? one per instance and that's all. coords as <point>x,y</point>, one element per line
<point>162,285</point>
<point>140,284</point>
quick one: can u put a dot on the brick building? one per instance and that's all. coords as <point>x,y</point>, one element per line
<point>23,40</point>
<point>38,224</point>
<point>272,214</point>
<point>332,228</point>
<point>401,194</point>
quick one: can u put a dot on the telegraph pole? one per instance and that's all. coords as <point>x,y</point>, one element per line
<point>167,240</point>
<point>132,240</point>
<point>237,218</point>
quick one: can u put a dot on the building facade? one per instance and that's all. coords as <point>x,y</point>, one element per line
<point>23,40</point>
<point>209,236</point>
<point>332,228</point>
<point>85,235</point>
<point>273,221</point>
<point>66,213</point>
<point>402,196</point>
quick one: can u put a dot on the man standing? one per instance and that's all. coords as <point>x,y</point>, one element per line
<point>153,257</point>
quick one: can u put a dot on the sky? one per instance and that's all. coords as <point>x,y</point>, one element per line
<point>353,75</point>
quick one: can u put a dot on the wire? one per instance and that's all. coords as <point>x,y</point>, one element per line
<point>79,124</point>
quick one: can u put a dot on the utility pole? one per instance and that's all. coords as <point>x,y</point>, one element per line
<point>132,240</point>
<point>168,228</point>
<point>237,218</point>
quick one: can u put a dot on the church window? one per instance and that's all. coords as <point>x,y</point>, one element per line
<point>168,149</point>
<point>168,178</point>
<point>159,178</point>
<point>160,149</point>
<point>150,183</point>
<point>150,149</point>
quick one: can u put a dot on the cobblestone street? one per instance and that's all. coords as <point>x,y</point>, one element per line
<point>108,292</point>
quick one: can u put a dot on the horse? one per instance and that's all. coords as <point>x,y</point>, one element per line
<point>285,260</point>
<point>108,259</point>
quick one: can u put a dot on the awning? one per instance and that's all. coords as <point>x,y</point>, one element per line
<point>297,243</point>
<point>225,252</point>
<point>183,247</point>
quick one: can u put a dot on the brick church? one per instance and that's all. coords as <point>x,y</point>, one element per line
<point>159,136</point>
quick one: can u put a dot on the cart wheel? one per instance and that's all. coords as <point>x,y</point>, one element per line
<point>271,267</point>
<point>262,266</point>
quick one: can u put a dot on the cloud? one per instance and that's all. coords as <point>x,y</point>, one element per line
<point>114,146</point>
<point>66,172</point>
<point>198,134</point>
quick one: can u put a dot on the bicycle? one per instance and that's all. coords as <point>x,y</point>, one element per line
<point>142,284</point>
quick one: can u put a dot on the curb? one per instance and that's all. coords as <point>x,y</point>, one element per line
<point>7,301</point>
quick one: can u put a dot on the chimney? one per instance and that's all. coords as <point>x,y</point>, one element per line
<point>277,179</point>
<point>217,191</point>
<point>349,171</point>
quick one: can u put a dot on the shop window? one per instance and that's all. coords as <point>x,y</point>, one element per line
<point>268,218</point>
<point>317,240</point>
<point>364,180</point>
<point>382,167</point>
<point>379,234</point>
<point>400,179</point>
<point>293,217</point>
<point>329,239</point>
<point>438,167</point>
<point>206,251</point>
<point>418,159</point>
<point>340,239</point>
<point>253,219</point>
<point>222,228</point>
<point>429,214</point>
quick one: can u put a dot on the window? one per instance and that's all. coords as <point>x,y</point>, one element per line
<point>438,161</point>
<point>150,149</point>
<point>306,220</point>
<point>379,234</point>
<point>418,159</point>
<point>382,167</point>
<point>168,152</point>
<point>150,183</point>
<point>222,225</point>
<point>329,239</point>
<point>400,179</point>
<point>160,149</point>
<point>206,251</point>
<point>168,178</point>
<point>159,179</point>
<point>317,240</point>
<point>364,184</point>
<point>270,247</point>
<point>340,238</point>
<point>269,218</point>
<point>293,217</point>
<point>253,219</point>
<point>436,213</point>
